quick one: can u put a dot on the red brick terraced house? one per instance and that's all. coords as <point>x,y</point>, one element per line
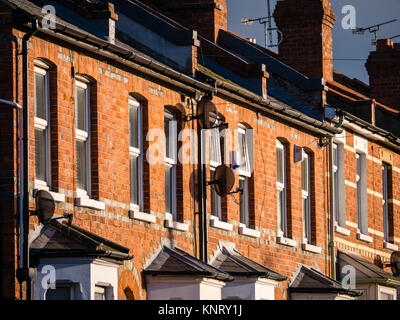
<point>100,108</point>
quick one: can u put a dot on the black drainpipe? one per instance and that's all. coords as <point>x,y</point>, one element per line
<point>25,111</point>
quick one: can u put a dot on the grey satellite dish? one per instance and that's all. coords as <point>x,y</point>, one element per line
<point>224,180</point>
<point>395,263</point>
<point>45,206</point>
<point>205,109</point>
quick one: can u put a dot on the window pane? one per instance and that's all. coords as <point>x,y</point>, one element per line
<point>60,293</point>
<point>306,220</point>
<point>168,187</point>
<point>335,154</point>
<point>385,202</point>
<point>358,164</point>
<point>134,126</point>
<point>167,137</point>
<point>81,158</point>
<point>215,200</point>
<point>215,152</point>
<point>336,195</point>
<point>359,204</point>
<point>244,198</point>
<point>40,154</point>
<point>81,109</point>
<point>134,180</point>
<point>279,165</point>
<point>243,152</point>
<point>280,210</point>
<point>304,174</point>
<point>386,296</point>
<point>99,293</point>
<point>40,95</point>
<point>359,177</point>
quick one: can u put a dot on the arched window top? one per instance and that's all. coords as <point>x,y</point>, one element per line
<point>84,78</point>
<point>134,102</point>
<point>134,96</point>
<point>244,126</point>
<point>281,142</point>
<point>43,63</point>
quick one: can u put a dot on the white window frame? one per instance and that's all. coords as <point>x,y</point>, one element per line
<point>281,187</point>
<point>215,140</point>
<point>215,161</point>
<point>216,210</point>
<point>306,195</point>
<point>388,291</point>
<point>385,202</point>
<point>245,195</point>
<point>44,125</point>
<point>361,184</point>
<point>245,173</point>
<point>171,163</point>
<point>137,153</point>
<point>336,182</point>
<point>84,135</point>
<point>242,130</point>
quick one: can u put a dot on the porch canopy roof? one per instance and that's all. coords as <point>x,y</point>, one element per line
<point>233,262</point>
<point>57,239</point>
<point>310,280</point>
<point>176,262</point>
<point>367,272</point>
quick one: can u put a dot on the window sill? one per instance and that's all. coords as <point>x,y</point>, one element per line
<point>85,201</point>
<point>364,237</point>
<point>170,224</point>
<point>390,246</point>
<point>311,248</point>
<point>142,216</point>
<point>286,241</point>
<point>342,230</point>
<point>58,197</point>
<point>249,232</point>
<point>218,224</point>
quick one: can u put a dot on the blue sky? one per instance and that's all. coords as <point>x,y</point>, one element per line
<point>349,51</point>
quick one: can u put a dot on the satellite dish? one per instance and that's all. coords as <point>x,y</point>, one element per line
<point>45,206</point>
<point>395,263</point>
<point>205,108</point>
<point>224,179</point>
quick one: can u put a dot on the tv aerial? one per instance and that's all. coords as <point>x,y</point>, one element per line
<point>267,22</point>
<point>394,263</point>
<point>372,29</point>
<point>45,207</point>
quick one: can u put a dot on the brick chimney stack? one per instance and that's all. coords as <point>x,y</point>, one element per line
<point>307,36</point>
<point>383,66</point>
<point>204,16</point>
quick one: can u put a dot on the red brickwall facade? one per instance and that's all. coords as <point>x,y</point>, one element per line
<point>110,173</point>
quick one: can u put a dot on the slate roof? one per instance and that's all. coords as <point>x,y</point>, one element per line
<point>178,262</point>
<point>365,269</point>
<point>313,281</point>
<point>236,264</point>
<point>62,240</point>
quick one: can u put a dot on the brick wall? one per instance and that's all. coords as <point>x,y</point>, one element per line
<point>110,170</point>
<point>375,204</point>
